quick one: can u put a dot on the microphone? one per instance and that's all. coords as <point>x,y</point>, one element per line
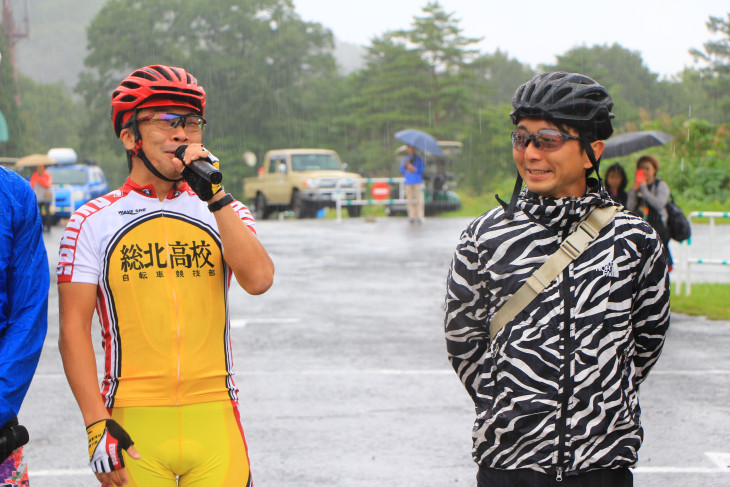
<point>201,167</point>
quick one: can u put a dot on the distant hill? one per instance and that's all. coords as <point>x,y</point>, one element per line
<point>56,46</point>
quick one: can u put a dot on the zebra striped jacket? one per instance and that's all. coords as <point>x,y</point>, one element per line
<point>557,389</point>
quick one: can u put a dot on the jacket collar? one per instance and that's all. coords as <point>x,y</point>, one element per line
<point>562,213</point>
<point>149,190</point>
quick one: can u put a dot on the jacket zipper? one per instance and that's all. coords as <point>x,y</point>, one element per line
<point>567,382</point>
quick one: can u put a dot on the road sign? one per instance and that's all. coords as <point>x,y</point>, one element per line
<point>380,191</point>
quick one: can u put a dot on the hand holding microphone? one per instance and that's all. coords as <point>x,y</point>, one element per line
<point>202,175</point>
<point>202,167</point>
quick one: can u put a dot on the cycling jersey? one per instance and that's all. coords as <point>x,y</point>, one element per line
<point>162,288</point>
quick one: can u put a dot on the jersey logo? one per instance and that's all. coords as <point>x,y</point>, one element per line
<point>132,212</point>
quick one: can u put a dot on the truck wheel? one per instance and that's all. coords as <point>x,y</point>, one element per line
<point>259,210</point>
<point>301,207</point>
<point>354,211</point>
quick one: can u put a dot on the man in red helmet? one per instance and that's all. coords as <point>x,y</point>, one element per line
<point>155,259</point>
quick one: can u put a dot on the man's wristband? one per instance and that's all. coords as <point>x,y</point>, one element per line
<point>217,205</point>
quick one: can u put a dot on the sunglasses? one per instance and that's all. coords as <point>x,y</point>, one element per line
<point>171,121</point>
<point>545,140</point>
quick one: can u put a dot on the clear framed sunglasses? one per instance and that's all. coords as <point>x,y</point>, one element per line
<point>171,121</point>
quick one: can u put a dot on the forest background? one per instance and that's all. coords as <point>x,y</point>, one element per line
<point>273,81</point>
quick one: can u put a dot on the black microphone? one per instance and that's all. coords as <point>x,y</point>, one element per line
<point>201,167</point>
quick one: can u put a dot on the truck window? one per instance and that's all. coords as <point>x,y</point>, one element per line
<point>274,165</point>
<point>314,162</point>
<point>62,175</point>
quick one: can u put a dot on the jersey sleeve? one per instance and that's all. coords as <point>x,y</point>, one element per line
<point>244,214</point>
<point>78,257</point>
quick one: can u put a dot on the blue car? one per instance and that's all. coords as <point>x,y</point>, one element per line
<point>73,185</point>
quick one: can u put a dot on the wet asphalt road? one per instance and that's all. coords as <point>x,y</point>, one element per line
<point>344,380</point>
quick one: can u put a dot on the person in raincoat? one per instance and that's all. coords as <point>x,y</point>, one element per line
<point>24,283</point>
<point>556,388</point>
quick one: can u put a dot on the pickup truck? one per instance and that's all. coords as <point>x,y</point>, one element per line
<point>301,180</point>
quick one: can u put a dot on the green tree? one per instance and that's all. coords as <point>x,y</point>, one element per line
<point>438,40</point>
<point>713,77</point>
<point>15,146</point>
<point>636,91</point>
<point>49,115</point>
<point>413,78</point>
<point>255,59</point>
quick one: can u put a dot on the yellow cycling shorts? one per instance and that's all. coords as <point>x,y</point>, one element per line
<point>196,445</point>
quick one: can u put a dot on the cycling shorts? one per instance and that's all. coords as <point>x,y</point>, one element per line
<point>197,444</point>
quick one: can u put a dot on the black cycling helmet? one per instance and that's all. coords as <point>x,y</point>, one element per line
<point>569,99</point>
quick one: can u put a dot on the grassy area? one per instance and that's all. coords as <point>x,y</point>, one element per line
<point>710,300</point>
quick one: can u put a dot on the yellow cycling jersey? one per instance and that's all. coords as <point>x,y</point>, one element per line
<point>162,294</point>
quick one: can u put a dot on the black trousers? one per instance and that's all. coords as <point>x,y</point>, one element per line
<point>491,477</point>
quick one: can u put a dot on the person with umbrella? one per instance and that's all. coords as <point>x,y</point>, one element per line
<point>41,181</point>
<point>412,168</point>
<point>648,198</point>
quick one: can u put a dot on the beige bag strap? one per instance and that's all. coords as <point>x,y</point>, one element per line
<point>569,250</point>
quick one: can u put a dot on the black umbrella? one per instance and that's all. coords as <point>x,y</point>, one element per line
<point>630,142</point>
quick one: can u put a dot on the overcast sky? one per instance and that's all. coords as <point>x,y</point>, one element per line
<point>534,31</point>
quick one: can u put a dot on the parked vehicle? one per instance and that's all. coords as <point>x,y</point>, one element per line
<point>73,183</point>
<point>438,181</point>
<point>301,180</point>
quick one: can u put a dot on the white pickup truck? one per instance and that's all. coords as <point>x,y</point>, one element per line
<point>301,180</point>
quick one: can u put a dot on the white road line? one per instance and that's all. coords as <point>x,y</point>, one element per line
<point>679,470</point>
<point>396,372</point>
<point>242,322</point>
<point>691,372</point>
<point>57,472</point>
<point>348,372</point>
<point>721,459</point>
<point>640,470</point>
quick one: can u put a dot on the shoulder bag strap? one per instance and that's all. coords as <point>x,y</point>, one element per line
<point>569,250</point>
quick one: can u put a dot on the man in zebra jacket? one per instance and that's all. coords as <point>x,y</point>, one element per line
<point>556,390</point>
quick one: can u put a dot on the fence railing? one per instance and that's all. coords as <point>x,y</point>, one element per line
<point>687,259</point>
<point>360,200</point>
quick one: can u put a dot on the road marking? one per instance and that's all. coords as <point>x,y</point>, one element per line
<point>57,472</point>
<point>242,322</point>
<point>347,372</point>
<point>690,372</point>
<point>396,371</point>
<point>721,459</point>
<point>678,470</point>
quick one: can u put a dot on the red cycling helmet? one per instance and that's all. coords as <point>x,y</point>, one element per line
<point>155,86</point>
